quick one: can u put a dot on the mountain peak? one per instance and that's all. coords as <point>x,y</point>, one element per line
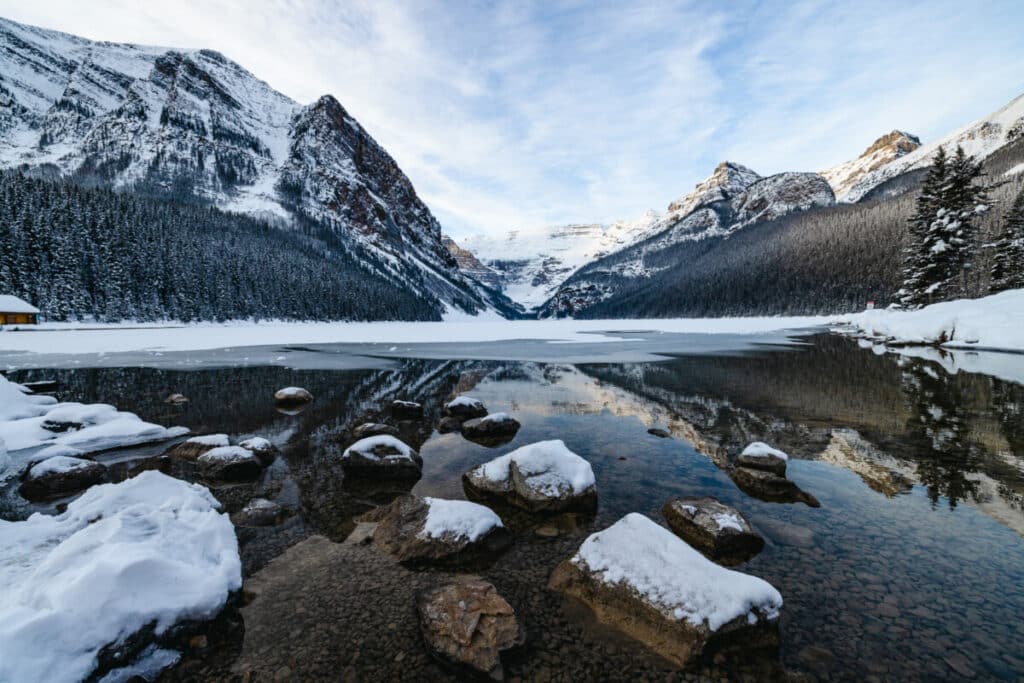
<point>882,151</point>
<point>726,181</point>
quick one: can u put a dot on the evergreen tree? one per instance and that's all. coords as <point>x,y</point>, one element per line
<point>1008,250</point>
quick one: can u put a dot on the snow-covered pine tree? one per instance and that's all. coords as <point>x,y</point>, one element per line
<point>942,230</point>
<point>1008,250</point>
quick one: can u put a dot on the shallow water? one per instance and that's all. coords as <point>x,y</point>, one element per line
<point>912,568</point>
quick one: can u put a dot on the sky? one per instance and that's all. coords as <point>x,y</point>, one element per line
<point>517,114</point>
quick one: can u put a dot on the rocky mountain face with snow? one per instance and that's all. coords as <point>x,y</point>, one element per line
<point>882,151</point>
<point>195,124</point>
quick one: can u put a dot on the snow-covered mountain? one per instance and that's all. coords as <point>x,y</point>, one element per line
<point>882,151</point>
<point>979,139</point>
<point>192,122</point>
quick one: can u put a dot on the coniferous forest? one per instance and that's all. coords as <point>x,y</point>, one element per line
<point>79,252</point>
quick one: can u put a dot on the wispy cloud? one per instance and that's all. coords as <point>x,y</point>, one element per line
<point>518,114</point>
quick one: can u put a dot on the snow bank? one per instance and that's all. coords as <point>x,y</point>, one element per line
<point>759,449</point>
<point>149,549</point>
<point>365,448</point>
<point>993,322</point>
<point>23,416</point>
<point>668,573</point>
<point>458,518</point>
<point>550,467</point>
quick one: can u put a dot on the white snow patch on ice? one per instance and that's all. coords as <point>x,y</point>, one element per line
<point>459,518</point>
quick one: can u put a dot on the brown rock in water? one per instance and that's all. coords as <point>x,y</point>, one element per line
<point>467,623</point>
<point>770,487</point>
<point>368,429</point>
<point>381,457</point>
<point>60,476</point>
<point>465,408</point>
<point>490,428</point>
<point>719,531</point>
<point>292,396</point>
<point>406,410</point>
<point>768,463</point>
<point>193,447</point>
<point>259,512</point>
<point>402,532</point>
<point>229,463</point>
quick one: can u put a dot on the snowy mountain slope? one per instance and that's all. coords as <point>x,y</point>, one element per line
<point>979,139</point>
<point>194,123</point>
<point>882,151</point>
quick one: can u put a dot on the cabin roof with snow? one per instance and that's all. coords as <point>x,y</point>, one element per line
<point>12,304</point>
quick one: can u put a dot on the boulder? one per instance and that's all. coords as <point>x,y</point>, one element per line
<point>259,512</point>
<point>368,429</point>
<point>292,396</point>
<point>190,449</point>
<point>176,399</point>
<point>447,425</point>
<point>468,624</point>
<point>382,457</point>
<point>406,410</point>
<point>761,456</point>
<point>465,408</point>
<point>770,487</point>
<point>229,463</point>
<point>539,477</point>
<point>714,528</point>
<point>69,417</point>
<point>261,448</point>
<point>639,578</point>
<point>60,475</point>
<point>434,531</point>
<point>490,428</point>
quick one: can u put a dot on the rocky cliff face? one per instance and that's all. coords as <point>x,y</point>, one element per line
<point>882,151</point>
<point>193,123</point>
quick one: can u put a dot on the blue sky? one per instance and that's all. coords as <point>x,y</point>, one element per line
<point>518,114</point>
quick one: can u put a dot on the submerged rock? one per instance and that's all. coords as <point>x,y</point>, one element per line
<point>539,477</point>
<point>642,580</point>
<point>465,408</point>
<point>368,429</point>
<point>406,410</point>
<point>259,512</point>
<point>190,449</point>
<point>447,425</point>
<point>60,475</point>
<point>229,463</point>
<point>770,487</point>
<point>439,532</point>
<point>468,624</point>
<point>714,528</point>
<point>382,457</point>
<point>494,427</point>
<point>761,456</point>
<point>292,396</point>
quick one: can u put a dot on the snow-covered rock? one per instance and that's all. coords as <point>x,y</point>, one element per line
<point>60,475</point>
<point>292,395</point>
<point>261,448</point>
<point>544,476</point>
<point>229,463</point>
<point>382,456</point>
<point>149,550</point>
<point>192,447</point>
<point>761,456</point>
<point>496,426</point>
<point>436,531</point>
<point>465,408</point>
<point>882,151</point>
<point>406,410</point>
<point>259,512</point>
<point>769,486</point>
<point>640,578</point>
<point>714,528</point>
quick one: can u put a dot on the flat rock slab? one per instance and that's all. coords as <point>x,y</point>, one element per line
<point>468,624</point>
<point>770,487</point>
<point>714,528</point>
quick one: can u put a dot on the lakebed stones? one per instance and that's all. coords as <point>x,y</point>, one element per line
<point>642,580</point>
<point>381,457</point>
<point>368,429</point>
<point>467,623</point>
<point>406,410</point>
<point>770,487</point>
<point>491,428</point>
<point>761,456</point>
<point>59,476</point>
<point>539,477</point>
<point>190,449</point>
<point>465,408</point>
<point>229,463</point>
<point>434,531</point>
<point>713,528</point>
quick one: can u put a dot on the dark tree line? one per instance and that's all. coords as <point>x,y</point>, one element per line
<point>78,252</point>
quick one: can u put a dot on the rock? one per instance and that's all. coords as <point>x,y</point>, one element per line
<point>467,623</point>
<point>786,533</point>
<point>660,432</point>
<point>539,477</point>
<point>368,429</point>
<point>494,427</point>
<point>292,396</point>
<point>382,457</point>
<point>406,410</point>
<point>229,463</point>
<point>434,531</point>
<point>714,528</point>
<point>261,448</point>
<point>761,456</point>
<point>362,534</point>
<point>770,487</point>
<point>642,580</point>
<point>59,476</point>
<point>465,408</point>
<point>176,399</point>
<point>192,448</point>
<point>448,425</point>
<point>259,512</point>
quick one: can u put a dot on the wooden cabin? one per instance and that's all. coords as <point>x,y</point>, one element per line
<point>15,311</point>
